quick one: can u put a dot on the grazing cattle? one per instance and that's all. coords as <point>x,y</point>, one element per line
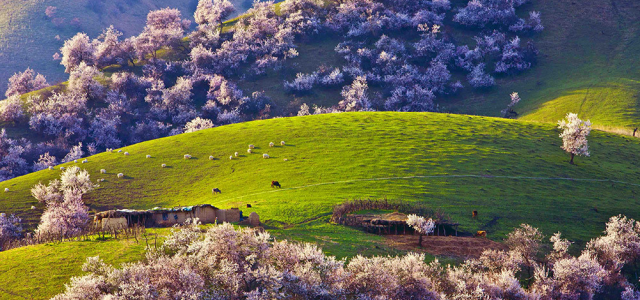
<point>275,184</point>
<point>481,233</point>
<point>248,205</point>
<point>474,214</point>
<point>216,191</point>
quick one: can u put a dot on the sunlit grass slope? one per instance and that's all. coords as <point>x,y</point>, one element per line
<point>329,156</point>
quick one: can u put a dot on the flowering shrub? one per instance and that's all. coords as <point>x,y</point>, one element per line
<point>228,263</point>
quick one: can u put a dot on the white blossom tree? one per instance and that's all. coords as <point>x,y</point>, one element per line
<point>421,225</point>
<point>574,135</point>
<point>198,124</point>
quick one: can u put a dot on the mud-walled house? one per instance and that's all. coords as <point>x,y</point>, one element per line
<point>165,217</point>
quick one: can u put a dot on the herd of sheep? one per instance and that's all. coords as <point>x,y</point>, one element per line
<point>186,156</point>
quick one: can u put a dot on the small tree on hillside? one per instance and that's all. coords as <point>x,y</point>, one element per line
<point>574,135</point>
<point>508,112</point>
<point>421,225</point>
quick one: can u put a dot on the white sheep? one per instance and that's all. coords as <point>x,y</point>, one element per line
<point>120,175</point>
<point>6,190</point>
<point>85,161</point>
<point>265,155</point>
<point>62,168</point>
<point>231,157</point>
<point>126,153</point>
<point>236,154</point>
<point>282,143</point>
<point>119,151</point>
<point>210,157</point>
<point>148,156</point>
<point>75,161</point>
<point>109,150</point>
<point>103,171</point>
<point>101,180</point>
<point>163,165</point>
<point>251,146</point>
<point>271,144</point>
<point>249,151</point>
<point>187,156</point>
<point>286,159</point>
<point>51,168</point>
<point>33,207</point>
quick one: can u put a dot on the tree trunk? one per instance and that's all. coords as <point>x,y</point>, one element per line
<point>420,241</point>
<point>572,156</point>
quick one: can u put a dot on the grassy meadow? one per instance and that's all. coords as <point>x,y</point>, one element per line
<point>336,157</point>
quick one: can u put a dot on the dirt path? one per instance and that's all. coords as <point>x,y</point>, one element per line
<point>463,247</point>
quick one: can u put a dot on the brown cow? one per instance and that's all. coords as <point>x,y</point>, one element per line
<point>474,214</point>
<point>481,233</point>
<point>275,184</point>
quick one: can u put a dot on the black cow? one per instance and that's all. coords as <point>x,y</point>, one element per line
<point>217,191</point>
<point>275,184</point>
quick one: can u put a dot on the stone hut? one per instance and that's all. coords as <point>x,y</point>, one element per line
<point>165,217</point>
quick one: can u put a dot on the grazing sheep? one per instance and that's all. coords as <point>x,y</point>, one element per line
<point>103,171</point>
<point>249,151</point>
<point>119,150</point>
<point>33,207</point>
<point>271,144</point>
<point>187,156</point>
<point>148,156</point>
<point>216,191</point>
<point>210,157</point>
<point>85,161</point>
<point>120,175</point>
<point>75,161</point>
<point>275,184</point>
<point>62,168</point>
<point>251,146</point>
<point>282,143</point>
<point>163,165</point>
<point>286,159</point>
<point>126,153</point>
<point>265,155</point>
<point>231,157</point>
<point>235,154</point>
<point>101,180</point>
<point>109,150</point>
<point>6,190</point>
<point>51,168</point>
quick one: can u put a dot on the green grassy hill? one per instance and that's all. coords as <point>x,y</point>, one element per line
<point>335,157</point>
<point>518,174</point>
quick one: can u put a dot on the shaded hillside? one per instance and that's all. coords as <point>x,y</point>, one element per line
<point>588,65</point>
<point>28,35</point>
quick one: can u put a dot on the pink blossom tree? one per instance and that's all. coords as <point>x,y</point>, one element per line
<point>25,82</point>
<point>165,28</point>
<point>76,50</point>
<point>11,110</point>
<point>10,228</point>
